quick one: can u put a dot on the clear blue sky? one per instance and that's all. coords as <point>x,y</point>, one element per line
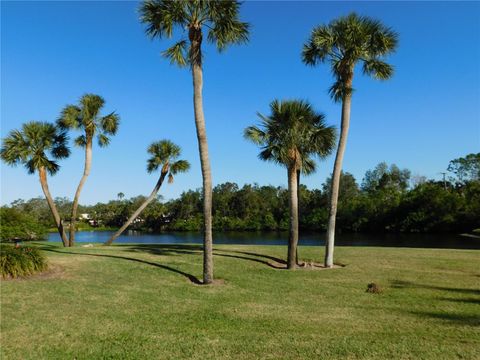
<point>53,52</point>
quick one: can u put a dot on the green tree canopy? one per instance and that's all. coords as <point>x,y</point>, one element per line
<point>466,168</point>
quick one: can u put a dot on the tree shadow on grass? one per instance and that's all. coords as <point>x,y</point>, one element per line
<point>173,249</point>
<point>161,249</point>
<point>190,277</point>
<point>463,300</point>
<point>399,284</point>
<point>461,319</point>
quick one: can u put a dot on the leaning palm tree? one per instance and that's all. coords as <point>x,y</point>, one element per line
<point>86,117</point>
<point>164,155</point>
<point>219,18</point>
<point>30,147</point>
<point>344,43</point>
<point>291,136</point>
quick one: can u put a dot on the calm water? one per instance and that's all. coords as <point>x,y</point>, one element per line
<point>449,241</point>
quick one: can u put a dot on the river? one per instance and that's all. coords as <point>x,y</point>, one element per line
<point>441,241</point>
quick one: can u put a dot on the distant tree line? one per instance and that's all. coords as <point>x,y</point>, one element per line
<point>388,199</point>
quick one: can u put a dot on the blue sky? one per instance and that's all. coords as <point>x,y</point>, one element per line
<point>53,52</point>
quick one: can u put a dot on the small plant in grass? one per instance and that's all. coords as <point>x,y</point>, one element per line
<point>22,261</point>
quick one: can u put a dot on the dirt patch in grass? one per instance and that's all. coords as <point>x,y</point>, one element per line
<point>305,265</point>
<point>216,282</point>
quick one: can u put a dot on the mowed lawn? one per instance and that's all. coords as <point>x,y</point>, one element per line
<point>141,302</point>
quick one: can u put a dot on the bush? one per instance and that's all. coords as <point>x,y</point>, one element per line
<point>22,261</point>
<point>17,225</point>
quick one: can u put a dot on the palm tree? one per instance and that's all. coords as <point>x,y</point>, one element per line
<point>344,43</point>
<point>164,155</point>
<point>86,117</point>
<point>120,196</point>
<point>37,146</point>
<point>219,18</point>
<point>290,136</point>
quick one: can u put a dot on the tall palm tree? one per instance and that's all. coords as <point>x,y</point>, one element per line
<point>86,117</point>
<point>164,155</point>
<point>120,196</point>
<point>37,146</point>
<point>219,18</point>
<point>290,136</point>
<point>344,43</point>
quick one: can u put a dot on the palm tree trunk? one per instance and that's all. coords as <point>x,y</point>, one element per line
<point>337,170</point>
<point>58,221</point>
<point>86,172</point>
<point>139,210</point>
<point>293,204</point>
<point>298,204</point>
<point>197,74</point>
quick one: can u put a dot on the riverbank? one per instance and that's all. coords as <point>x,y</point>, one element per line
<point>85,227</point>
<point>142,301</point>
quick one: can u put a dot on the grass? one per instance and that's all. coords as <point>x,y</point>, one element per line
<point>141,302</point>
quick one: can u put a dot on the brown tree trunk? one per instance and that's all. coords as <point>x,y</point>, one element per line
<point>197,74</point>
<point>86,172</point>
<point>53,208</point>
<point>293,205</point>
<point>298,204</point>
<point>140,209</point>
<point>337,170</point>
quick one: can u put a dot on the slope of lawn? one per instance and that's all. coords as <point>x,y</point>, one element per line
<point>141,302</point>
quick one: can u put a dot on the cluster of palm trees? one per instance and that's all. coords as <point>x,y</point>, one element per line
<point>292,135</point>
<point>38,146</point>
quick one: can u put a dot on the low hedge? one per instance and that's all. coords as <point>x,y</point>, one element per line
<point>21,261</point>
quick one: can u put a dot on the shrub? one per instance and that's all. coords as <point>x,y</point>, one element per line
<point>22,261</point>
<point>17,225</point>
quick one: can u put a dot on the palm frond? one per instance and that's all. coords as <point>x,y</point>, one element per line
<point>226,28</point>
<point>80,141</point>
<point>162,16</point>
<point>109,123</point>
<point>291,134</point>
<point>164,154</point>
<point>378,69</point>
<point>179,167</point>
<point>103,140</point>
<point>91,104</point>
<point>31,145</point>
<point>177,54</point>
<point>346,41</point>
<point>255,134</point>
<point>308,166</point>
<point>70,118</point>
<point>339,90</point>
<point>319,46</point>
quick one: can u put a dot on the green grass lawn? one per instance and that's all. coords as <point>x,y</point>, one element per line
<point>141,302</point>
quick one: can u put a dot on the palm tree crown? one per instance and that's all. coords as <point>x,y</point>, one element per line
<point>292,134</point>
<point>37,145</point>
<point>86,116</point>
<point>164,155</point>
<point>345,42</point>
<point>220,17</point>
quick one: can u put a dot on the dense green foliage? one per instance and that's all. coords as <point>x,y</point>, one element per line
<point>138,302</point>
<point>19,225</point>
<point>387,201</point>
<point>466,168</point>
<point>21,261</point>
